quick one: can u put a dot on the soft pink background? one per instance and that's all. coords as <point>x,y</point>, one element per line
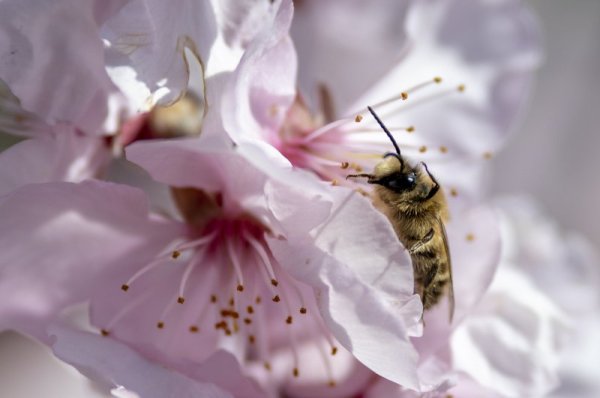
<point>554,155</point>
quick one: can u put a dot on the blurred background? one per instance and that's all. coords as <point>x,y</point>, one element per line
<point>554,155</point>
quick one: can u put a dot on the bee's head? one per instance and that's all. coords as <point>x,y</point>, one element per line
<point>398,177</point>
<point>394,174</point>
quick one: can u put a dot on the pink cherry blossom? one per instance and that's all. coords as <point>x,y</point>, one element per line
<point>63,155</point>
<point>100,41</point>
<point>264,257</point>
<point>450,102</point>
<point>58,152</point>
<point>115,61</point>
<point>221,275</point>
<point>44,243</point>
<point>565,267</point>
<point>114,363</point>
<point>459,131</point>
<point>507,346</point>
<point>34,68</point>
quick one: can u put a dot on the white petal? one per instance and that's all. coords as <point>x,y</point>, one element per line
<point>114,363</point>
<point>62,156</point>
<point>52,59</point>
<point>149,36</point>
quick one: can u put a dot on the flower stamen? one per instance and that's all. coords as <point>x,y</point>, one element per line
<point>404,95</point>
<point>233,259</point>
<point>186,274</point>
<point>158,261</point>
<point>195,243</point>
<point>259,249</point>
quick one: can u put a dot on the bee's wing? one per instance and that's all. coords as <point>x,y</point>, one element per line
<point>449,259</point>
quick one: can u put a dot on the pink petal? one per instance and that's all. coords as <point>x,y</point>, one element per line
<point>223,370</point>
<point>201,164</point>
<point>349,375</point>
<point>467,388</point>
<point>564,266</point>
<point>115,364</point>
<point>149,37</point>
<point>364,286</point>
<point>264,83</point>
<point>241,21</point>
<point>53,60</point>
<point>491,47</point>
<point>347,46</point>
<point>62,241</point>
<point>510,344</point>
<point>62,156</point>
<point>248,179</point>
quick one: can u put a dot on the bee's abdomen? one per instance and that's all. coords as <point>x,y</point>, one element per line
<point>430,264</point>
<point>432,275</point>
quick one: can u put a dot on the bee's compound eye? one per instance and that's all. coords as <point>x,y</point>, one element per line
<point>401,182</point>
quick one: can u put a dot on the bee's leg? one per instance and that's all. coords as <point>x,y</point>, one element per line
<point>430,289</point>
<point>369,176</point>
<point>413,249</point>
<point>430,276</point>
<point>433,189</point>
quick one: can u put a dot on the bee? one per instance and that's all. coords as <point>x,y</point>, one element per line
<point>412,200</point>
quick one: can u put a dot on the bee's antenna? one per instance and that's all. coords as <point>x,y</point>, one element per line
<point>386,131</point>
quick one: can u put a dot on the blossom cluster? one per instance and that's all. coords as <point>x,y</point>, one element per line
<point>177,218</point>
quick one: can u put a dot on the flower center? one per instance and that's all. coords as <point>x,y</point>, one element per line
<point>221,281</point>
<point>353,142</point>
<point>181,119</point>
